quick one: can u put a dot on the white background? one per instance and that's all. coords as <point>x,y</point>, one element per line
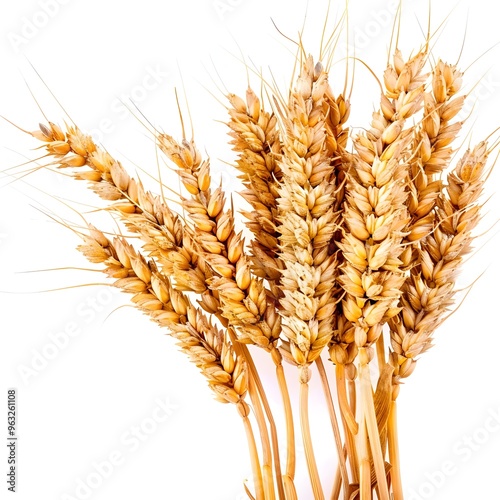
<point>81,406</point>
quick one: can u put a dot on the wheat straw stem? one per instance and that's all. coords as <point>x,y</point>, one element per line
<point>267,459</point>
<point>274,437</point>
<point>305,375</point>
<point>253,373</point>
<point>259,399</point>
<point>290,491</point>
<point>343,401</point>
<point>244,411</point>
<point>289,475</point>
<point>335,425</point>
<point>392,429</point>
<point>337,480</point>
<point>351,387</point>
<point>255,395</point>
<point>370,418</point>
<point>348,420</point>
<point>248,492</point>
<point>351,439</point>
<point>380,349</point>
<point>365,486</point>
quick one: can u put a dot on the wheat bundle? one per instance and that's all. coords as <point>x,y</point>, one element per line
<point>353,246</point>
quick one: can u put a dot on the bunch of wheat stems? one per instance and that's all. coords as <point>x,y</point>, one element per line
<point>355,244</point>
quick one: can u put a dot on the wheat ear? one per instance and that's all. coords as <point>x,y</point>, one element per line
<point>255,138</point>
<point>237,297</point>
<point>308,221</point>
